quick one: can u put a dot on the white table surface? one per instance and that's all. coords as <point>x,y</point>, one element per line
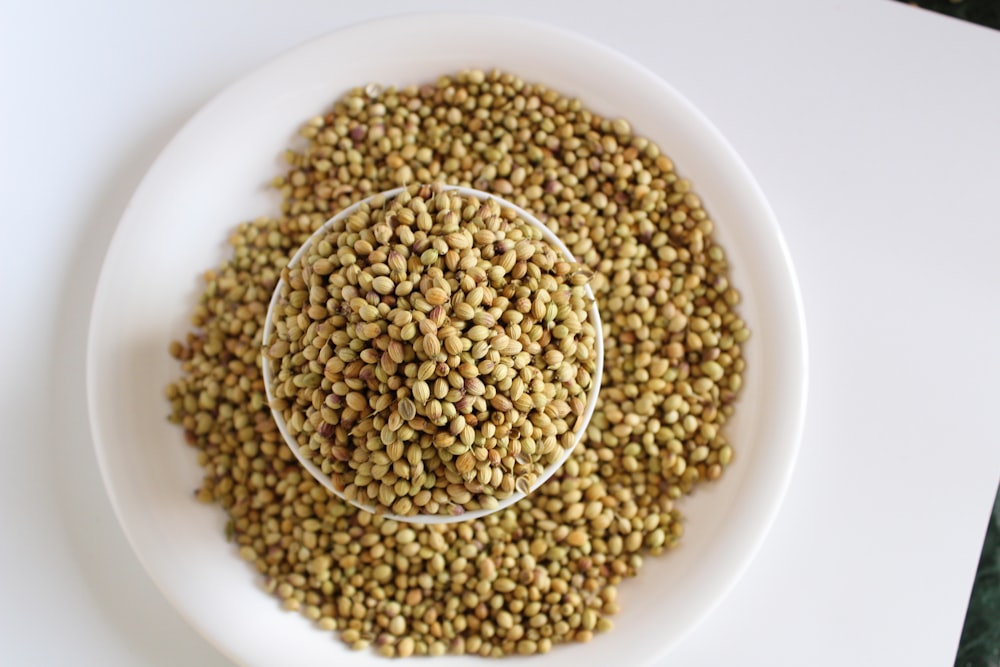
<point>873,129</point>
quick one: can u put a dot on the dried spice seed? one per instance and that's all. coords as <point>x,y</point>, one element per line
<point>643,255</point>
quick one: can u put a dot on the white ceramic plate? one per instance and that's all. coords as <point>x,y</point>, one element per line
<point>212,176</point>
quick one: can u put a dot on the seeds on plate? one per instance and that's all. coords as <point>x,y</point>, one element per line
<point>432,352</point>
<point>545,570</point>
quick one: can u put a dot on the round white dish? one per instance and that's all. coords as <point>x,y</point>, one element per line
<point>214,175</point>
<point>581,424</point>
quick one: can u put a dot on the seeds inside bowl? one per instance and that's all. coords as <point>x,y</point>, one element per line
<point>545,570</point>
<point>431,352</point>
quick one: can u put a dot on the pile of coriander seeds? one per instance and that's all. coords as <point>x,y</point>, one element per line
<point>432,353</point>
<point>546,570</point>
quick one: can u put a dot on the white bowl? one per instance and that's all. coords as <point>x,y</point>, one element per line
<point>211,177</point>
<point>581,425</point>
